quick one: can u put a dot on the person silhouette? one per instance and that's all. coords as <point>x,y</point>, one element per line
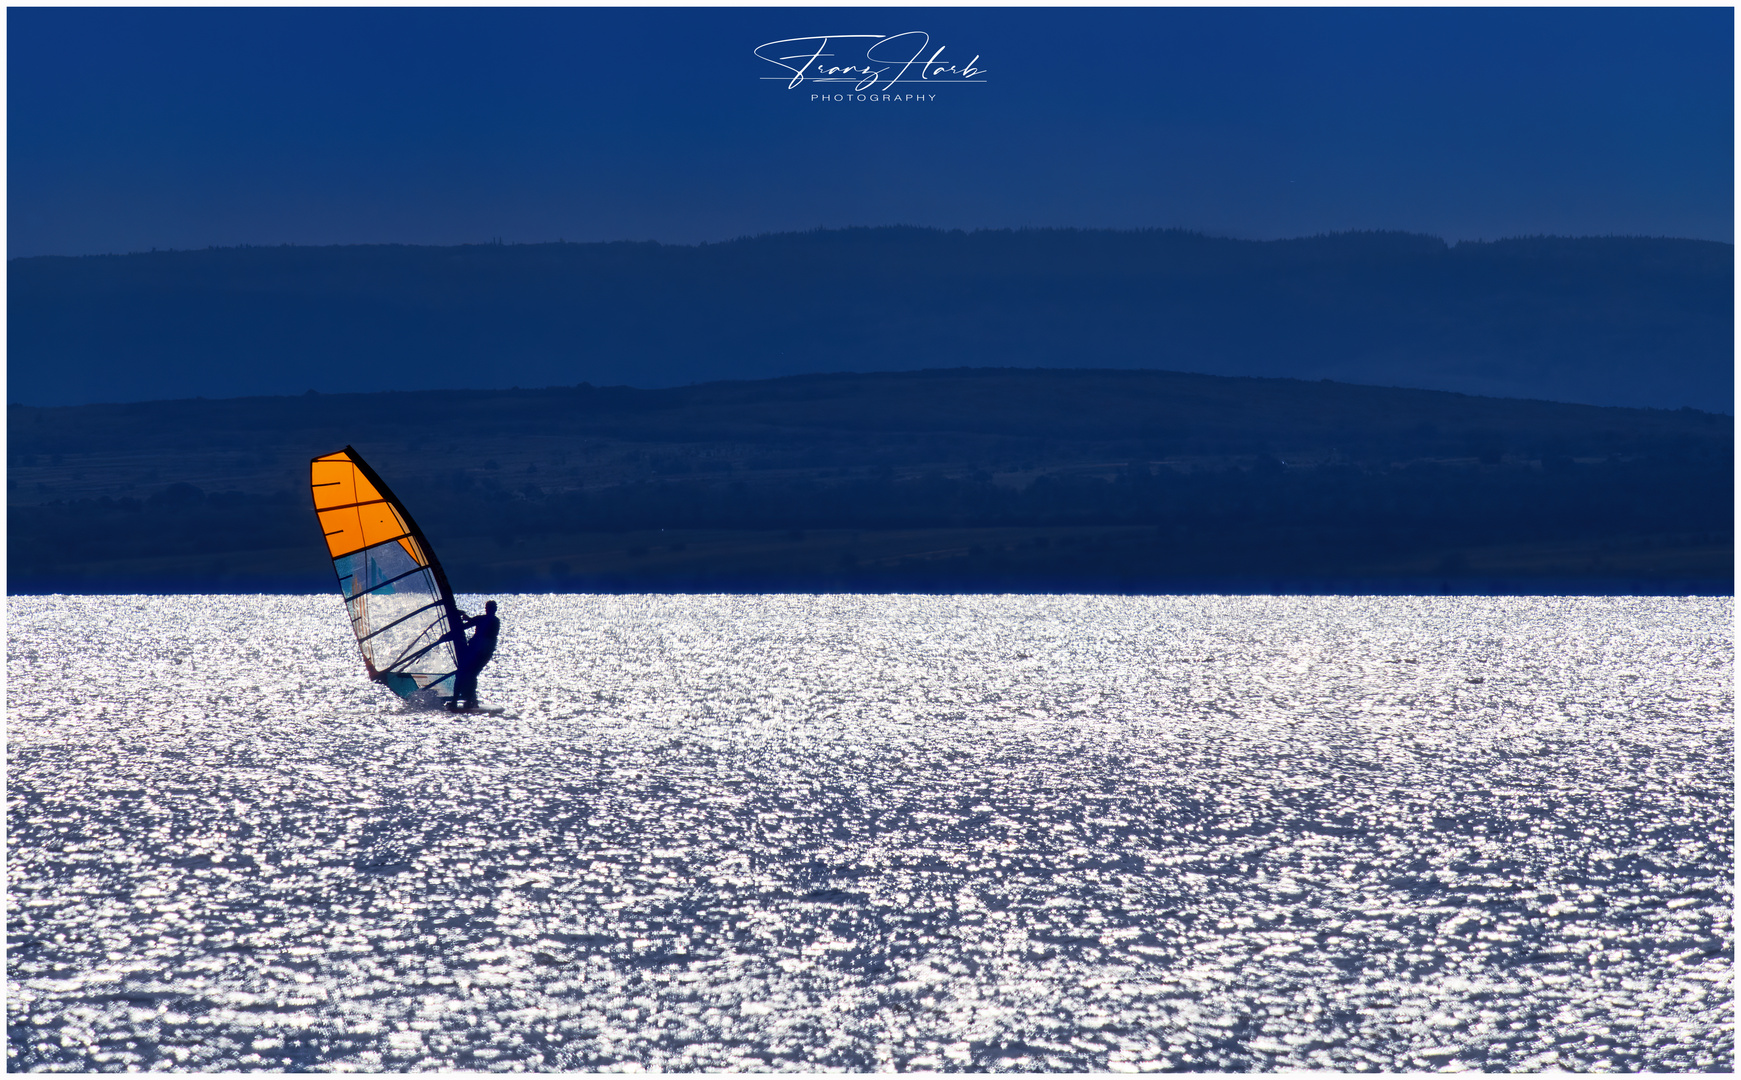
<point>473,655</point>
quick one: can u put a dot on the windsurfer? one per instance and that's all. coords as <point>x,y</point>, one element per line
<point>474,654</point>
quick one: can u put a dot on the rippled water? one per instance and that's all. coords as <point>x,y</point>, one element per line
<point>868,832</point>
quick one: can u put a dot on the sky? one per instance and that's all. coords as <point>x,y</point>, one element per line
<point>136,128</point>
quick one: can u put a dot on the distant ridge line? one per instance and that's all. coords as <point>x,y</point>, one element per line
<point>1156,230</point>
<point>1604,321</point>
<point>842,376</point>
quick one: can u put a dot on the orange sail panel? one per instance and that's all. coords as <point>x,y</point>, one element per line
<point>400,606</point>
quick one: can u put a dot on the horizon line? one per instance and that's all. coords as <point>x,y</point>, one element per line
<point>959,370</point>
<point>1205,234</point>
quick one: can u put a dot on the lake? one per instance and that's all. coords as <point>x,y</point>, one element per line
<point>878,832</point>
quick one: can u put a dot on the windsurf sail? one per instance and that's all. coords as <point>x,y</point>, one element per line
<point>401,608</point>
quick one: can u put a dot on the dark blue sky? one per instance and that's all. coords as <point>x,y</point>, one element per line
<point>139,128</point>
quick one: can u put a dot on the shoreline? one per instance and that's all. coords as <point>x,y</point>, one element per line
<point>1230,586</point>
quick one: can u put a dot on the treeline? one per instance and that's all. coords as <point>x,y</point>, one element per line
<point>956,479</point>
<point>1256,520</point>
<point>990,416</point>
<point>55,538</point>
<point>1426,502</point>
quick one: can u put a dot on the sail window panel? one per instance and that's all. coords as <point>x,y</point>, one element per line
<point>349,568</point>
<point>431,666</point>
<point>386,568</point>
<point>379,613</point>
<point>359,609</point>
<point>403,685</point>
<point>397,643</point>
<point>371,612</point>
<point>406,683</point>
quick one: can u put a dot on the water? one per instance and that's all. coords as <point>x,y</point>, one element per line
<point>864,832</point>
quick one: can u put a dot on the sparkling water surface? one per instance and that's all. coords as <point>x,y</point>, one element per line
<point>878,832</point>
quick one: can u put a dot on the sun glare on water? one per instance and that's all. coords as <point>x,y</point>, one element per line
<point>878,832</point>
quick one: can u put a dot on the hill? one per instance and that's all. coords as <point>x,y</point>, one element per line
<point>1610,321</point>
<point>968,479</point>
